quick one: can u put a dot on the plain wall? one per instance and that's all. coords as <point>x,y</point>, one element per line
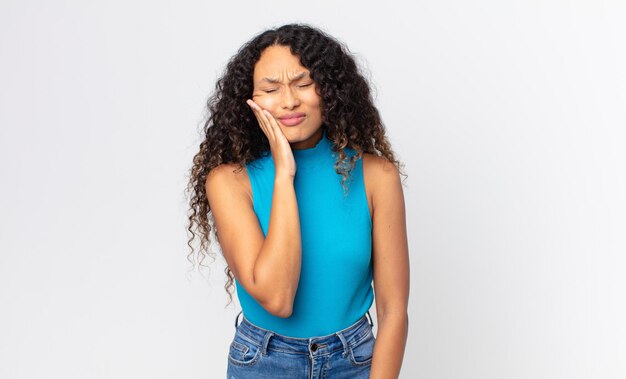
<point>509,117</point>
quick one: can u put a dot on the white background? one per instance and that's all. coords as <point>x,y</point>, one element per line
<point>509,116</point>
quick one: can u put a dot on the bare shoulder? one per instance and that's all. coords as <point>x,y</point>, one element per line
<point>378,163</point>
<point>378,170</point>
<point>380,176</point>
<point>229,176</point>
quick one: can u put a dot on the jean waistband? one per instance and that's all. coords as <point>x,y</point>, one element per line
<point>370,320</point>
<point>316,345</point>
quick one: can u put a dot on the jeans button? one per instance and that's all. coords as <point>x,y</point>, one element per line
<point>314,347</point>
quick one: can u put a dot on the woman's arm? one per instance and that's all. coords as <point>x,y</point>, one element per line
<point>267,267</point>
<point>391,268</point>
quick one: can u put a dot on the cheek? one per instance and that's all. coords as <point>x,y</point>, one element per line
<point>313,100</point>
<point>265,102</point>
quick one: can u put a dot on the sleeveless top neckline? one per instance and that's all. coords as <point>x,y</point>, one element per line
<point>312,156</point>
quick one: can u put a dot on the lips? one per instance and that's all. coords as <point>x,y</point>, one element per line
<point>292,115</point>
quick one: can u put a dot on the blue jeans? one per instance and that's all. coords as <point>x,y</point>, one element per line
<point>259,353</point>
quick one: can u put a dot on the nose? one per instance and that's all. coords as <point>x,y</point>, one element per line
<point>290,98</point>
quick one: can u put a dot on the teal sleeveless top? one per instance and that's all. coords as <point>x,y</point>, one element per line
<point>335,287</point>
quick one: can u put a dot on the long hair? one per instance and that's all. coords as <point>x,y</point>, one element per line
<point>231,131</point>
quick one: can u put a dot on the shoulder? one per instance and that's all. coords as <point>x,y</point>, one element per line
<point>379,168</point>
<point>381,176</point>
<point>228,177</point>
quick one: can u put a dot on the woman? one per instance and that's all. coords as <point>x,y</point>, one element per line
<point>308,209</point>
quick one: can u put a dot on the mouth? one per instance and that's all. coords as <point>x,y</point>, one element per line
<point>292,121</point>
<point>292,116</point>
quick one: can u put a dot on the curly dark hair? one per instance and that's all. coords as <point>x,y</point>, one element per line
<point>232,134</point>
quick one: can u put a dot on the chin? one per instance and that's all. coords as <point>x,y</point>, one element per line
<point>291,131</point>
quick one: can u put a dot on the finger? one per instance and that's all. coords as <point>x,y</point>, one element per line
<point>263,115</point>
<point>263,123</point>
<point>266,117</point>
<point>272,121</point>
<point>257,113</point>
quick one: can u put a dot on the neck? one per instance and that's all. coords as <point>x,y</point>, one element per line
<point>309,143</point>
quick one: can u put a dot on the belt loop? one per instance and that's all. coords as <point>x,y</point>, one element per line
<point>237,318</point>
<point>266,342</point>
<point>344,343</point>
<point>371,320</point>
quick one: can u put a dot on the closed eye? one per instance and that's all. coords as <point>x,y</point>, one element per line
<point>274,90</point>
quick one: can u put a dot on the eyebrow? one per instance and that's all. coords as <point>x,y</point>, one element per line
<point>272,80</point>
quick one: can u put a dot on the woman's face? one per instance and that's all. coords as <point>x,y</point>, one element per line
<point>283,87</point>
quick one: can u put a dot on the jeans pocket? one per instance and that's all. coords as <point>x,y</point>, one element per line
<point>243,352</point>
<point>362,352</point>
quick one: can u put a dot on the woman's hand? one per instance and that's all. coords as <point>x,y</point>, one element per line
<point>284,161</point>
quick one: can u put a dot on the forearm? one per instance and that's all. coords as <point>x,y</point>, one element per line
<point>277,268</point>
<point>390,344</point>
